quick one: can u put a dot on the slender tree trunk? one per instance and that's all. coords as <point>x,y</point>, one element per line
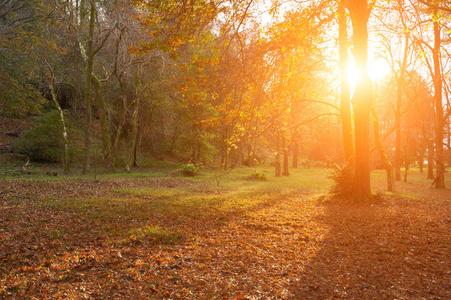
<point>250,154</point>
<point>406,168</point>
<point>277,160</point>
<point>65,159</point>
<point>398,160</point>
<point>440,157</point>
<point>295,155</point>
<point>81,10</point>
<point>361,100</point>
<point>134,123</point>
<point>400,80</point>
<point>421,153</point>
<point>106,139</point>
<point>430,159</point>
<point>406,155</point>
<point>285,156</point>
<point>123,119</point>
<point>198,151</point>
<point>135,151</point>
<point>226,150</point>
<point>87,91</point>
<point>449,141</point>
<point>345,109</point>
<point>387,164</point>
<point>117,137</point>
<point>421,161</point>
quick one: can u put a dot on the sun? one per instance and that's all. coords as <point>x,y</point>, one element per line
<point>377,70</point>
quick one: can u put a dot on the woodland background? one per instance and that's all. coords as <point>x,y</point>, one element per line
<point>178,149</point>
<point>221,83</point>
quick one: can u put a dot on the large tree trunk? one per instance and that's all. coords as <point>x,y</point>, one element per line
<point>439,135</point>
<point>361,100</point>
<point>87,91</point>
<point>345,109</point>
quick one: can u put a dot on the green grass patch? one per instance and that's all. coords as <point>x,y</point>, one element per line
<point>153,192</point>
<point>154,232</point>
<point>146,174</point>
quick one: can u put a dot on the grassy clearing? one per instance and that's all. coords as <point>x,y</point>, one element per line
<point>417,186</point>
<point>126,235</point>
<point>127,212</point>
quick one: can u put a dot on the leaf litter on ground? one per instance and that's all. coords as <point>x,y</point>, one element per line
<point>77,238</point>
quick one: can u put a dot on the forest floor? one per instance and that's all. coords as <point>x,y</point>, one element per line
<point>178,238</point>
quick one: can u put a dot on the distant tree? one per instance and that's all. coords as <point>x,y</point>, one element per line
<point>89,60</point>
<point>24,27</point>
<point>431,47</point>
<point>397,50</point>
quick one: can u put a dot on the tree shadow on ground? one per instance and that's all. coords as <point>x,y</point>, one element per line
<point>390,249</point>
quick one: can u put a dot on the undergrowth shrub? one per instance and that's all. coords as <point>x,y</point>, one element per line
<point>258,175</point>
<point>343,177</point>
<point>45,141</point>
<point>190,169</point>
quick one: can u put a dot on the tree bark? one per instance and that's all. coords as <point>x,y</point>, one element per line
<point>387,164</point>
<point>106,138</point>
<point>430,159</point>
<point>421,162</point>
<point>277,160</point>
<point>449,141</point>
<point>295,155</point>
<point>134,122</point>
<point>345,108</point>
<point>440,123</point>
<point>225,157</point>
<point>406,168</point>
<point>285,156</point>
<point>87,91</point>
<point>65,159</point>
<point>360,12</point>
<point>398,160</point>
<point>400,81</point>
